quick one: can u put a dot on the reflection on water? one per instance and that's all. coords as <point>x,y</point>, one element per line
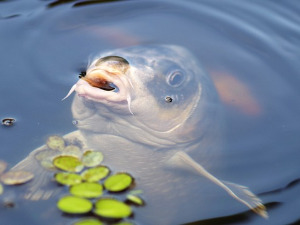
<point>254,44</point>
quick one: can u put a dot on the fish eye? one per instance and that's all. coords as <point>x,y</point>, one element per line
<point>175,78</point>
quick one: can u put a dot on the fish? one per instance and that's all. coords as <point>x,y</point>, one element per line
<point>153,112</point>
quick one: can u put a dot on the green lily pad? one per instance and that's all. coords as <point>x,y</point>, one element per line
<point>135,199</point>
<point>92,158</point>
<point>88,222</point>
<point>16,177</point>
<point>87,190</point>
<point>112,208</point>
<point>56,143</point>
<point>3,166</point>
<point>118,182</point>
<point>74,205</point>
<point>68,163</point>
<point>1,189</point>
<point>72,150</point>
<point>124,223</point>
<point>68,178</point>
<point>95,174</point>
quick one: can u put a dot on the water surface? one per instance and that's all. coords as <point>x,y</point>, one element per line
<point>45,45</point>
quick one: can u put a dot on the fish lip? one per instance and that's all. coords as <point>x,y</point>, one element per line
<point>84,89</point>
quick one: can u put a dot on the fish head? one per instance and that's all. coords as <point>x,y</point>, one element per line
<point>157,95</point>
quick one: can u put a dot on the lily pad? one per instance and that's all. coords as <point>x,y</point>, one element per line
<point>74,205</point>
<point>87,190</point>
<point>92,158</point>
<point>112,208</point>
<point>118,182</point>
<point>16,177</point>
<point>3,166</point>
<point>72,150</point>
<point>56,143</point>
<point>135,200</point>
<point>95,174</point>
<point>88,222</point>
<point>68,178</point>
<point>68,163</point>
<point>124,223</point>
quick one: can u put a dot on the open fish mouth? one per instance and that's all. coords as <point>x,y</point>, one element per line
<point>105,80</point>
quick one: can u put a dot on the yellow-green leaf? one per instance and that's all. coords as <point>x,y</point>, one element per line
<point>87,190</point>
<point>112,208</point>
<point>74,205</point>
<point>88,222</point>
<point>118,182</point>
<point>68,163</point>
<point>95,174</point>
<point>68,178</point>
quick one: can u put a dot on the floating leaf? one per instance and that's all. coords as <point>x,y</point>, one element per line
<point>74,205</point>
<point>68,163</point>
<point>118,182</point>
<point>95,174</point>
<point>135,199</point>
<point>1,189</point>
<point>16,177</point>
<point>123,223</point>
<point>87,190</point>
<point>68,178</point>
<point>3,166</point>
<point>92,158</point>
<point>88,222</point>
<point>72,150</point>
<point>112,208</point>
<point>56,143</point>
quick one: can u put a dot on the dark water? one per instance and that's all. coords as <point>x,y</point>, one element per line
<point>44,45</point>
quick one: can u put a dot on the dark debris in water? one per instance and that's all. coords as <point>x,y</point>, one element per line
<point>8,122</point>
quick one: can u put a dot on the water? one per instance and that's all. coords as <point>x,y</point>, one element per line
<point>45,45</point>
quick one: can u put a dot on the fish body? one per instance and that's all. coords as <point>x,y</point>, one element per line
<point>153,112</point>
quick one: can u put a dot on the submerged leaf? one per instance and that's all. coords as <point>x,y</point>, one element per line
<point>88,222</point>
<point>74,205</point>
<point>16,177</point>
<point>118,182</point>
<point>68,163</point>
<point>68,178</point>
<point>92,158</point>
<point>112,208</point>
<point>72,150</point>
<point>95,174</point>
<point>56,143</point>
<point>87,190</point>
